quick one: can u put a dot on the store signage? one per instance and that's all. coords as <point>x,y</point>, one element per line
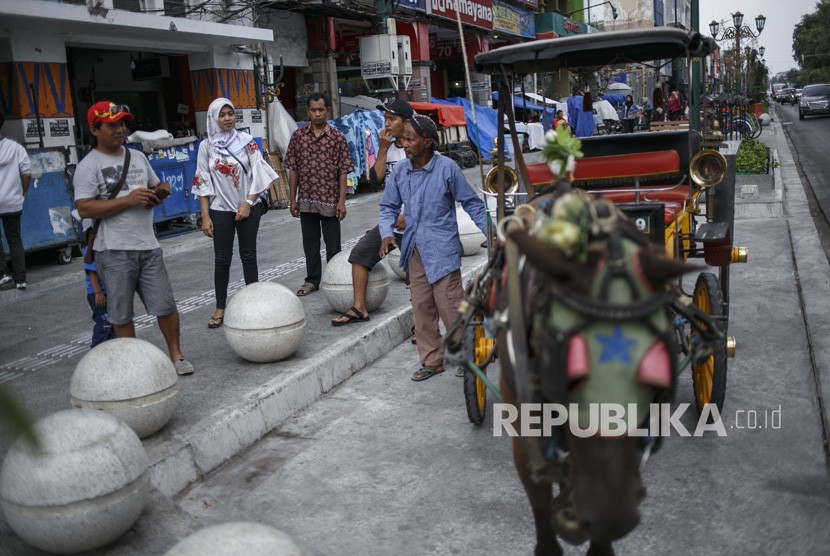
<point>59,128</point>
<point>443,50</point>
<point>256,116</point>
<point>571,26</point>
<point>550,25</point>
<point>31,129</point>
<point>375,69</point>
<point>417,5</point>
<point>240,116</point>
<point>472,12</point>
<point>480,87</point>
<point>513,20</point>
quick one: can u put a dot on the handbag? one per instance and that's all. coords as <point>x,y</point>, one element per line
<point>92,232</point>
<point>261,173</point>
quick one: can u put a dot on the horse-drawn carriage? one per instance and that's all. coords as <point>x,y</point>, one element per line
<point>641,205</point>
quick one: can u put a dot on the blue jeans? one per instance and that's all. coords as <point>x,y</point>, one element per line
<point>102,331</point>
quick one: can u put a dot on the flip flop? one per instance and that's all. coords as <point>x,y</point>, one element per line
<point>216,322</point>
<point>423,374</point>
<point>459,372</point>
<point>357,317</point>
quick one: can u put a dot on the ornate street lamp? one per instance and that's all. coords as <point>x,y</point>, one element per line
<point>761,51</point>
<point>736,33</point>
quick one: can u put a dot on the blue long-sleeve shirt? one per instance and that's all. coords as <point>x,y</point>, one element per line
<point>428,196</point>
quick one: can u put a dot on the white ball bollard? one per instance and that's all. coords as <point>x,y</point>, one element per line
<point>264,322</point>
<point>238,539</point>
<point>337,285</point>
<point>393,259</point>
<point>86,487</point>
<point>471,236</point>
<point>765,119</point>
<point>129,378</point>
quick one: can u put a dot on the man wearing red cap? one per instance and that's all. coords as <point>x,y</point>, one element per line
<point>127,254</point>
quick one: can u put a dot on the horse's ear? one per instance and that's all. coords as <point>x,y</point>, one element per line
<point>660,269</point>
<point>544,256</point>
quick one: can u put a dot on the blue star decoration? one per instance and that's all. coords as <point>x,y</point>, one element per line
<point>616,347</point>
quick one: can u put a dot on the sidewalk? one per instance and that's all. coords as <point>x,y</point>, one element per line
<point>229,403</point>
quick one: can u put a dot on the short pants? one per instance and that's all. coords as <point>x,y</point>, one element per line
<point>129,272</point>
<point>367,251</point>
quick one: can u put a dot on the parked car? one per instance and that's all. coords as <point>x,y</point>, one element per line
<point>787,96</point>
<point>815,101</point>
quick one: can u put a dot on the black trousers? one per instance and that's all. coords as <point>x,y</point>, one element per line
<point>224,228</point>
<point>311,225</point>
<point>11,228</point>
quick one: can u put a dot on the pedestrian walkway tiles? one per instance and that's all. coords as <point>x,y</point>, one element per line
<point>77,346</point>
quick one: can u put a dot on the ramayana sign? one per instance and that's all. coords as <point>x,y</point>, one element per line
<point>472,12</point>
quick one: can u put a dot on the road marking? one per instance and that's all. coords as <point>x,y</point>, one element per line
<point>77,346</point>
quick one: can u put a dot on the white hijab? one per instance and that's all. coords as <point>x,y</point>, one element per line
<point>231,141</point>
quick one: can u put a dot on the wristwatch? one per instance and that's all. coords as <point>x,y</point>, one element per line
<point>250,202</point>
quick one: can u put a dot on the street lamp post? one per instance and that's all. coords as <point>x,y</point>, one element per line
<point>737,32</point>
<point>613,10</point>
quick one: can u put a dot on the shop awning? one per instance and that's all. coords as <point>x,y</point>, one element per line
<point>447,115</point>
<point>80,26</point>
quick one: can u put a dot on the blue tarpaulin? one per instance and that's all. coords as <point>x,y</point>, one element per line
<point>546,119</point>
<point>485,116</point>
<point>615,99</point>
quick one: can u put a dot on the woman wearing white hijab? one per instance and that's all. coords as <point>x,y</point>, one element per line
<point>229,196</point>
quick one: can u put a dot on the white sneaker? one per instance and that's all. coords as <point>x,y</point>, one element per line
<point>21,285</point>
<point>5,280</point>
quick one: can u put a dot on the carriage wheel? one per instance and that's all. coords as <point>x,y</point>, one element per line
<point>709,375</point>
<point>476,349</point>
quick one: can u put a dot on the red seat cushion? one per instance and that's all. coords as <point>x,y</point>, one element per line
<point>615,168</point>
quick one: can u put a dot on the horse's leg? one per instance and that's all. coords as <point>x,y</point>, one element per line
<point>539,494</point>
<point>600,550</point>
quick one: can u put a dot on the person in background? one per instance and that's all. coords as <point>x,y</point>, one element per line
<point>427,186</point>
<point>648,109</point>
<point>318,160</point>
<point>559,119</point>
<point>674,108</point>
<point>15,177</point>
<point>96,295</point>
<point>366,254</point>
<point>628,113</point>
<point>229,197</point>
<point>127,254</point>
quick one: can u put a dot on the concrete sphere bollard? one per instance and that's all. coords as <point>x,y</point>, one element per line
<point>85,489</point>
<point>393,259</point>
<point>129,378</point>
<point>471,236</point>
<point>264,322</point>
<point>238,539</point>
<point>337,284</point>
<point>765,119</point>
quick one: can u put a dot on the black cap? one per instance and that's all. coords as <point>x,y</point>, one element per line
<point>425,127</point>
<point>398,107</point>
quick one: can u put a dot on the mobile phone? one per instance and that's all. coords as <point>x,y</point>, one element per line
<point>161,192</point>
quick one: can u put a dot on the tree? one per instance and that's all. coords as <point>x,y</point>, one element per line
<point>811,45</point>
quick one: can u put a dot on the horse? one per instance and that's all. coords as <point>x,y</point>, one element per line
<point>559,303</point>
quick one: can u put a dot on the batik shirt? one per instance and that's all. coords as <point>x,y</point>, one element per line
<point>319,162</point>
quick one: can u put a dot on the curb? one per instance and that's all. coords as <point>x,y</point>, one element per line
<point>186,458</point>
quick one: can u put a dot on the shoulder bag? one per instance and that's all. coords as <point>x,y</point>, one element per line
<point>259,173</point>
<point>92,232</point>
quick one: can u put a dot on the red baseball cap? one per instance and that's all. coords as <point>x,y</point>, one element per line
<point>108,112</point>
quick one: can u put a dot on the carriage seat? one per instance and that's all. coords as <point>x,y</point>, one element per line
<point>600,172</point>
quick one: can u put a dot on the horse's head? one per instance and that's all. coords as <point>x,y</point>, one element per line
<point>600,341</point>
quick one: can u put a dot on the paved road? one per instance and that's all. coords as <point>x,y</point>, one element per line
<point>811,138</point>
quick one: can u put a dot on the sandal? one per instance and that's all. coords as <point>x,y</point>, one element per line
<point>356,317</point>
<point>459,372</point>
<point>423,374</point>
<point>216,322</point>
<point>307,288</point>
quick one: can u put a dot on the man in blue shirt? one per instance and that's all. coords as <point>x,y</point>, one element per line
<point>427,186</point>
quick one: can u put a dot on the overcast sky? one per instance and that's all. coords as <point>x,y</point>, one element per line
<point>777,38</point>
